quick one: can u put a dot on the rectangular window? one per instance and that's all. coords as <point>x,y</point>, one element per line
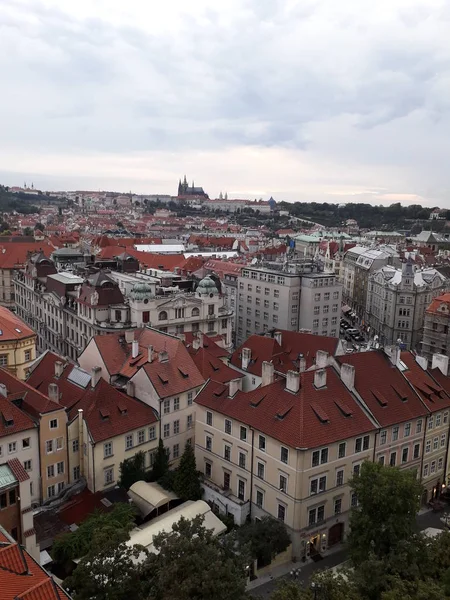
<point>208,470</point>
<point>227,452</point>
<point>284,455</point>
<point>226,481</point>
<point>281,513</point>
<point>152,433</point>
<point>428,446</point>
<point>433,466</point>
<point>440,463</point>
<point>443,439</point>
<point>416,450</point>
<point>27,355</point>
<point>26,443</point>
<point>261,470</point>
<point>358,444</point>
<point>189,421</point>
<point>393,459</point>
<point>430,422</point>
<point>435,443</point>
<point>381,460</point>
<point>176,404</point>
<point>425,470</point>
<point>404,455</point>
<point>338,506</point>
<point>59,443</point>
<point>12,447</point>
<point>438,419</point>
<point>51,471</point>
<point>176,450</point>
<point>51,491</point>
<point>383,436</point>
<point>419,426</point>
<point>208,442</point>
<point>108,476</point>
<point>166,430</point>
<point>75,446</point>
<point>3,360</point>
<point>166,406</point>
<point>283,483</point>
<point>340,477</point>
<point>209,418</point>
<point>366,442</point>
<point>241,489</point>
<point>190,398</point>
<point>107,449</point>
<point>76,473</point>
<point>445,419</point>
<point>54,424</point>
<point>129,441</point>
<point>27,465</point>
<point>262,443</point>
<point>395,433</point>
<point>49,446</point>
<point>242,460</point>
<point>259,499</point>
<point>141,436</point>
<point>60,468</point>
<point>407,430</point>
<point>228,426</point>
<point>176,427</point>
<point>354,500</point>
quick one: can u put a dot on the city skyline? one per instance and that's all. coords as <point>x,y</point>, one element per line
<point>308,102</point>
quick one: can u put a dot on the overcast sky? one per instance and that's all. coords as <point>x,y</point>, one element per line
<point>324,100</point>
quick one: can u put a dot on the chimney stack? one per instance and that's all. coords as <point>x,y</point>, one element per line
<point>268,371</point>
<point>393,352</point>
<point>246,357</point>
<point>321,359</point>
<point>3,390</point>
<point>293,381</point>
<point>234,386</point>
<point>301,363</point>
<point>59,368</point>
<point>422,361</point>
<point>134,348</point>
<point>53,391</point>
<point>348,376</point>
<point>163,356</point>
<point>440,361</point>
<point>129,336</point>
<point>150,354</point>
<point>320,378</point>
<point>96,373</point>
<point>278,336</point>
<point>130,388</point>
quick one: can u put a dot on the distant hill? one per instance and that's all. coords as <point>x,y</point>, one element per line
<point>22,203</point>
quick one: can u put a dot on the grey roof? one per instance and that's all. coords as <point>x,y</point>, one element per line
<point>66,277</point>
<point>79,377</point>
<point>7,477</point>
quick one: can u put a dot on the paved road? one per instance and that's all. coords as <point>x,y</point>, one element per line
<point>428,519</point>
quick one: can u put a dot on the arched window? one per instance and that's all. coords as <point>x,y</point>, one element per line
<point>162,316</point>
<point>195,312</point>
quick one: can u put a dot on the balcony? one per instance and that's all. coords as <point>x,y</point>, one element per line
<point>226,501</point>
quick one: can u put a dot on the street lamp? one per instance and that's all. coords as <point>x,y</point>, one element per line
<point>315,587</point>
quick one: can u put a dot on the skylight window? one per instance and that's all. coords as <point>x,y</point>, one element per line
<point>18,330</point>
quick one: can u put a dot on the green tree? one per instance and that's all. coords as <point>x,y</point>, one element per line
<point>109,571</point>
<point>28,231</point>
<point>132,470</point>
<point>388,501</point>
<point>161,462</point>
<point>265,539</point>
<point>191,563</point>
<point>187,479</point>
<point>70,546</point>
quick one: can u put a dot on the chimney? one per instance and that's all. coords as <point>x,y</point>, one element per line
<point>348,376</point>
<point>320,378</point>
<point>163,356</point>
<point>246,356</point>
<point>53,391</point>
<point>182,337</point>
<point>150,354</point>
<point>440,361</point>
<point>130,388</point>
<point>268,371</point>
<point>134,348</point>
<point>422,361</point>
<point>96,373</point>
<point>293,381</point>
<point>59,368</point>
<point>195,343</point>
<point>129,336</point>
<point>200,338</point>
<point>278,337</point>
<point>3,390</point>
<point>394,354</point>
<point>234,386</point>
<point>321,359</point>
<point>301,363</point>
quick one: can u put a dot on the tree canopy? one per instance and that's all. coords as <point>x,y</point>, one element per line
<point>132,470</point>
<point>265,539</point>
<point>186,483</point>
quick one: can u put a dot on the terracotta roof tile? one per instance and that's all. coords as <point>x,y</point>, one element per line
<point>296,420</point>
<point>11,327</point>
<point>433,395</point>
<point>19,472</point>
<point>32,401</point>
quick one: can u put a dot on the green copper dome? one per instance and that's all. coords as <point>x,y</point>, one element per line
<point>141,291</point>
<point>207,286</point>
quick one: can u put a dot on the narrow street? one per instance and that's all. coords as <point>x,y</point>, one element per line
<point>425,520</point>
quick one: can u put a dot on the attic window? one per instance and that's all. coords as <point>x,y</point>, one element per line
<point>183,373</point>
<point>8,419</point>
<point>214,368</point>
<point>320,413</point>
<point>18,330</point>
<point>163,380</point>
<point>122,408</point>
<point>282,415</point>
<point>1,332</point>
<point>256,403</point>
<point>104,413</point>
<point>345,410</point>
<point>135,360</point>
<point>219,392</point>
<point>403,397</point>
<point>379,398</point>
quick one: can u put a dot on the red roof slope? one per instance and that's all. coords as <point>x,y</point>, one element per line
<point>383,388</point>
<point>213,368</point>
<point>22,578</point>
<point>10,413</point>
<point>432,394</point>
<point>11,327</point>
<point>436,303</point>
<point>31,401</point>
<point>308,419</point>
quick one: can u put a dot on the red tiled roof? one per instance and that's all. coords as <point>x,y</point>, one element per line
<point>383,388</point>
<point>211,367</point>
<point>10,412</point>
<point>209,344</point>
<point>18,471</point>
<point>16,253</point>
<point>308,419</point>
<point>22,578</point>
<point>33,402</point>
<point>432,394</point>
<point>436,303</point>
<point>81,506</point>
<point>11,327</point>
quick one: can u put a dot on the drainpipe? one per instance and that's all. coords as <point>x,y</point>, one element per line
<point>80,441</point>
<point>251,472</point>
<point>423,449</point>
